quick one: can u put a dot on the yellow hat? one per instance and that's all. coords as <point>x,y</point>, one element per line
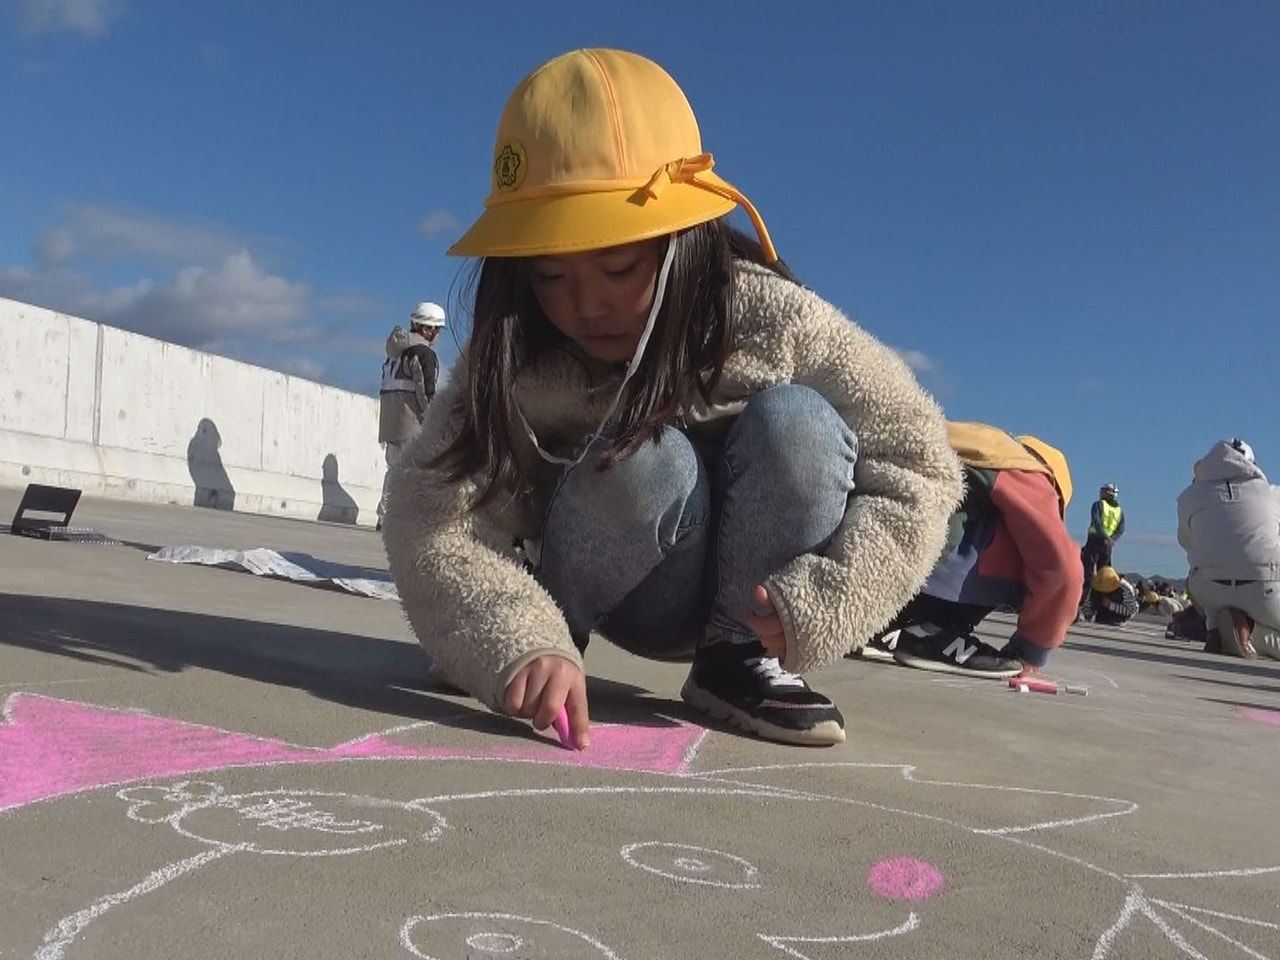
<point>598,148</point>
<point>1052,458</point>
<point>1106,580</point>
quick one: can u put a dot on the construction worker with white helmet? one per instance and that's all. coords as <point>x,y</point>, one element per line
<point>1106,526</point>
<point>409,377</point>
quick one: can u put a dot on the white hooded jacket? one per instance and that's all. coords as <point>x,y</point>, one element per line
<point>1229,518</point>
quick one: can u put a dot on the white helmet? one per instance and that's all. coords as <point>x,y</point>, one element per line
<point>427,314</point>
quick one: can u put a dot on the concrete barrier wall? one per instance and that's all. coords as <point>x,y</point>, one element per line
<point>122,415</point>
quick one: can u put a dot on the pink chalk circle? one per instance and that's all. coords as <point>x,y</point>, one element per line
<point>902,878</point>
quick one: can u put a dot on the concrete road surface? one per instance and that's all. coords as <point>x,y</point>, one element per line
<point>198,763</point>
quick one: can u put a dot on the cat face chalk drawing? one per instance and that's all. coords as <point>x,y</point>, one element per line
<point>300,823</point>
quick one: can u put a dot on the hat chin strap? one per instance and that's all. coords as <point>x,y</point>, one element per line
<point>658,296</point>
<point>686,170</point>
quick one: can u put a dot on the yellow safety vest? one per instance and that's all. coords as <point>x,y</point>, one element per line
<point>1111,515</point>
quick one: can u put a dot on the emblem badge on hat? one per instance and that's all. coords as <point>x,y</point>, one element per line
<point>509,166</point>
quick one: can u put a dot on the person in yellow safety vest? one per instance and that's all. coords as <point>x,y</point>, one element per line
<point>1106,526</point>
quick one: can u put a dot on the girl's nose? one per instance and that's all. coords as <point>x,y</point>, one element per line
<point>590,301</point>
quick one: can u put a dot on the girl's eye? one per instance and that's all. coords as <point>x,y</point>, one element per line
<point>545,278</point>
<point>622,271</point>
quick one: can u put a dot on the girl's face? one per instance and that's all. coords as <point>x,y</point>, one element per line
<point>600,299</point>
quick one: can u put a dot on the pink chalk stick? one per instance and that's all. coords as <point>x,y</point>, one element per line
<point>561,723</point>
<point>1035,686</point>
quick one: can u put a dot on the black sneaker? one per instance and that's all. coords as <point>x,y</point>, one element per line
<point>879,649</point>
<point>734,682</point>
<point>929,647</point>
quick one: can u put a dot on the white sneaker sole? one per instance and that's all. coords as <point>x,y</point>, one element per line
<point>875,654</point>
<point>825,734</point>
<point>941,666</point>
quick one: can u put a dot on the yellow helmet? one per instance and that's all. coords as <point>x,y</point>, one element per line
<point>1106,580</point>
<point>598,148</point>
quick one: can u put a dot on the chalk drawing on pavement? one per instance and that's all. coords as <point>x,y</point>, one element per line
<point>57,748</point>
<point>690,864</point>
<point>791,945</point>
<point>905,878</point>
<point>299,823</point>
<point>445,935</point>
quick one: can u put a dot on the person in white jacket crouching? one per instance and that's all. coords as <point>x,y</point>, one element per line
<point>1229,524</point>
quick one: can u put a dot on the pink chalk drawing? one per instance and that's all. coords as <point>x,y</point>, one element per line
<point>53,748</point>
<point>1261,715</point>
<point>902,878</point>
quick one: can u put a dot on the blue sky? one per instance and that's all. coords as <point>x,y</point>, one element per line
<point>1067,216</point>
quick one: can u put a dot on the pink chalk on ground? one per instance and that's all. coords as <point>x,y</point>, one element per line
<point>1261,715</point>
<point>561,723</point>
<point>903,878</point>
<point>51,748</point>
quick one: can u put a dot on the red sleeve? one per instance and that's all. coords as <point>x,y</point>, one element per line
<point>1028,505</point>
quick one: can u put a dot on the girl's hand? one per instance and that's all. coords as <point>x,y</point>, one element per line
<point>767,625</point>
<point>1028,670</point>
<point>541,688</point>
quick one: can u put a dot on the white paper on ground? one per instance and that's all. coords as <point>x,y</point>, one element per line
<point>298,567</point>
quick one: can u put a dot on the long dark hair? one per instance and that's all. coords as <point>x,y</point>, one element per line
<point>694,334</point>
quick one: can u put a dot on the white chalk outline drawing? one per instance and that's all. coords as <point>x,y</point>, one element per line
<point>749,870</point>
<point>274,809</point>
<point>406,931</point>
<point>186,796</point>
<point>177,801</point>
<point>785,944</point>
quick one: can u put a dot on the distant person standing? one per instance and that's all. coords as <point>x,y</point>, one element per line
<point>408,384</point>
<point>1106,526</point>
<point>1229,524</point>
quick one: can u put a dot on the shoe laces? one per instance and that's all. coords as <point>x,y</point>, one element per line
<point>768,668</point>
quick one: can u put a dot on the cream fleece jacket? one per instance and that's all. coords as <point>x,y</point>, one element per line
<point>481,617</point>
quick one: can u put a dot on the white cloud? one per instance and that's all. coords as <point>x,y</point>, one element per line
<point>54,248</point>
<point>197,307</point>
<point>102,233</point>
<point>202,304</point>
<point>218,297</point>
<point>917,360</point>
<point>438,221</point>
<point>927,370</point>
<point>88,18</point>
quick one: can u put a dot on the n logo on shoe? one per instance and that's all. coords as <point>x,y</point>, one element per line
<point>959,650</point>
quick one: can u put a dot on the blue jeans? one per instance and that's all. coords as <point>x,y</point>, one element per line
<point>661,552</point>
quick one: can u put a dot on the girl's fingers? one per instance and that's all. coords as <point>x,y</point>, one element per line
<point>534,685</point>
<point>576,707</point>
<point>513,702</point>
<point>761,597</point>
<point>552,699</point>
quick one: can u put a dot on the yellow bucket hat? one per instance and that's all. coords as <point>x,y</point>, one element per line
<point>1054,459</point>
<point>1106,580</point>
<point>598,148</point>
